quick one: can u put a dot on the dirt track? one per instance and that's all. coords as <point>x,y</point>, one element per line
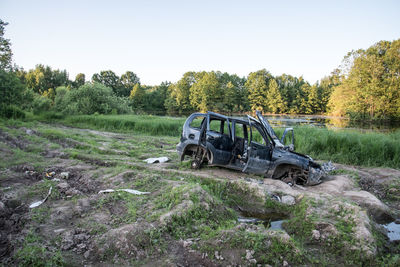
<point>85,227</point>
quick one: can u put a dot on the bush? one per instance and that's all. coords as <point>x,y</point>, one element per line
<point>89,99</point>
<point>12,112</point>
<point>41,104</point>
<point>11,89</point>
<point>59,100</point>
<point>11,95</point>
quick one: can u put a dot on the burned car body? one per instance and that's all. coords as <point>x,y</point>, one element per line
<point>247,144</point>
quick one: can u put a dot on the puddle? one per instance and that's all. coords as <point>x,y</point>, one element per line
<point>272,220</point>
<point>393,231</point>
<point>277,225</point>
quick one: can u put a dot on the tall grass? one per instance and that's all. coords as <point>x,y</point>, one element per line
<point>144,124</point>
<point>340,146</point>
<point>349,146</point>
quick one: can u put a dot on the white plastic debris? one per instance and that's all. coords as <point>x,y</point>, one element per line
<point>38,203</point>
<point>276,197</point>
<point>64,175</point>
<point>131,191</point>
<point>156,160</point>
<point>135,192</point>
<point>106,191</point>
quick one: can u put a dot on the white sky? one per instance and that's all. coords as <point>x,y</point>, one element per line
<point>161,40</point>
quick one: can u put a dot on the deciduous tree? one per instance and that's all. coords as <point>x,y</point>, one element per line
<point>5,49</point>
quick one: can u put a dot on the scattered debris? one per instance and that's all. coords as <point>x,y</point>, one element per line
<point>187,243</point>
<point>38,203</point>
<point>50,174</point>
<point>218,256</point>
<point>131,191</point>
<point>315,234</point>
<point>156,160</point>
<point>64,175</point>
<point>276,197</point>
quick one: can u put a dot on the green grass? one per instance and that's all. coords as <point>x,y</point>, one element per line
<point>144,124</point>
<point>268,249</point>
<point>342,146</point>
<point>350,146</point>
<point>33,253</point>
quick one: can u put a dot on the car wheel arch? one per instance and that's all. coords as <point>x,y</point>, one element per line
<point>282,168</point>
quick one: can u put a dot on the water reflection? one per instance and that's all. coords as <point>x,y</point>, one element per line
<point>329,122</point>
<point>271,220</point>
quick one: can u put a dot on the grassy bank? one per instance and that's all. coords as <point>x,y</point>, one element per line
<point>341,146</point>
<point>144,124</point>
<point>349,146</point>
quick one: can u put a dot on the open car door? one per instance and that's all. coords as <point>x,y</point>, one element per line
<point>269,130</point>
<point>219,139</point>
<point>259,154</point>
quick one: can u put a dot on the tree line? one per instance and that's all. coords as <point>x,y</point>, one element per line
<point>366,85</point>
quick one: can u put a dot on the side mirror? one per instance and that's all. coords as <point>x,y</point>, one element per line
<point>286,134</point>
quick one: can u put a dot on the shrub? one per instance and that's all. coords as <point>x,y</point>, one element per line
<point>11,88</point>
<point>12,112</point>
<point>59,100</point>
<point>11,95</point>
<point>89,99</point>
<point>41,104</point>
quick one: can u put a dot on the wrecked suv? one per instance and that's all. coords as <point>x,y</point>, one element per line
<point>247,144</point>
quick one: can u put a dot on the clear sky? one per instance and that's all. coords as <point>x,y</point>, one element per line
<point>161,40</point>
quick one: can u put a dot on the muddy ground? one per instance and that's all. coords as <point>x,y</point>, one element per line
<point>188,217</point>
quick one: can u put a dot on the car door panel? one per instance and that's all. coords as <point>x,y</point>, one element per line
<point>259,155</point>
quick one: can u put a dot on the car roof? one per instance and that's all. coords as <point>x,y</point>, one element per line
<point>231,118</point>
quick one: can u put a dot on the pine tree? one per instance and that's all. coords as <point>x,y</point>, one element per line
<point>274,100</point>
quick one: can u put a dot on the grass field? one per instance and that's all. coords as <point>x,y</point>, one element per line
<point>342,146</point>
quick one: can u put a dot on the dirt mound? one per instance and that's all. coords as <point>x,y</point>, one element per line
<point>83,182</point>
<point>12,219</point>
<point>127,241</point>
